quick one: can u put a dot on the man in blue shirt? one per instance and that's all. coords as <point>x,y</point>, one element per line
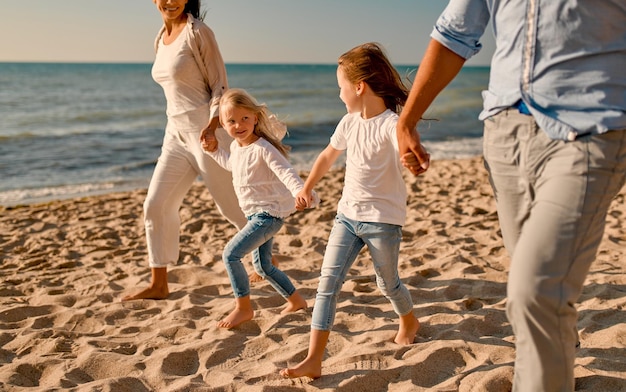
<point>554,147</point>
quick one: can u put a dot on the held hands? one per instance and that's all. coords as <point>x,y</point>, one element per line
<point>413,155</point>
<point>411,161</point>
<point>306,199</point>
<point>208,139</point>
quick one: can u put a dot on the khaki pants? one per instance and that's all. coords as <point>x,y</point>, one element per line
<point>552,199</point>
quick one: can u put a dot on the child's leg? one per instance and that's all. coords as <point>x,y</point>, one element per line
<point>383,242</point>
<point>312,364</point>
<point>262,261</point>
<point>158,288</point>
<point>240,245</point>
<point>342,249</point>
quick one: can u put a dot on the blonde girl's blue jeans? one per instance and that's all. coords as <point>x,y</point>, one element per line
<point>347,238</point>
<point>257,237</point>
<point>552,200</point>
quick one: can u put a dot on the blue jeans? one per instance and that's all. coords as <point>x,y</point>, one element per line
<point>257,237</point>
<point>347,238</point>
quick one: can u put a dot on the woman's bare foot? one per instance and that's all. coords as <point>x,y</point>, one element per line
<point>306,368</point>
<point>235,318</point>
<point>158,287</point>
<point>294,303</point>
<point>409,325</point>
<point>149,293</point>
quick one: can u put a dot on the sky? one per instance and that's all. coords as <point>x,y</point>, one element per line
<point>247,31</point>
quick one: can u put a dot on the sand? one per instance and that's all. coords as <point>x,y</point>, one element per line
<point>66,264</point>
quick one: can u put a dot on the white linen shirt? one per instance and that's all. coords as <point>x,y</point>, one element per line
<point>374,189</point>
<point>202,47</point>
<point>187,99</point>
<point>263,178</point>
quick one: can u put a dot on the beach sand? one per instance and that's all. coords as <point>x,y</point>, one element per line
<point>65,265</point>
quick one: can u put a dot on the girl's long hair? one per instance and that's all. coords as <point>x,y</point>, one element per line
<point>368,63</point>
<point>193,7</point>
<point>268,126</point>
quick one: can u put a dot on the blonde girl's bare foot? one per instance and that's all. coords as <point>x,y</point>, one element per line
<point>149,293</point>
<point>306,368</point>
<point>235,318</point>
<point>409,325</point>
<point>294,303</point>
<point>255,278</point>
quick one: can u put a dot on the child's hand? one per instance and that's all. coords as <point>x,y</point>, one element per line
<point>300,205</point>
<point>208,140</point>
<point>301,202</point>
<point>410,161</point>
<point>306,200</point>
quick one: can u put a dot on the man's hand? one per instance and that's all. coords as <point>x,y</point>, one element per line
<point>413,155</point>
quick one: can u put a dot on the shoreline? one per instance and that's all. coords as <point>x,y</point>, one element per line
<point>65,264</point>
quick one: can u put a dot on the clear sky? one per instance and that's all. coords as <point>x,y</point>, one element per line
<point>247,31</point>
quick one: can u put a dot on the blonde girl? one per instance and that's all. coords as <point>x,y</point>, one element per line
<point>266,185</point>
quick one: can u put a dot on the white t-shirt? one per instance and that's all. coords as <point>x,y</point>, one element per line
<point>374,190</point>
<point>263,178</point>
<point>176,71</point>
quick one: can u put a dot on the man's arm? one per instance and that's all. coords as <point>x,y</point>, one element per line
<point>438,67</point>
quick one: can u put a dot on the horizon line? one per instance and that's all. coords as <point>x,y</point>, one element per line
<point>90,62</point>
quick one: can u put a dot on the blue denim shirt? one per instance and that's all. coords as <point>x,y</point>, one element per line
<point>565,59</point>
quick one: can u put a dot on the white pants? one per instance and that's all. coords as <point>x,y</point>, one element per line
<point>182,160</point>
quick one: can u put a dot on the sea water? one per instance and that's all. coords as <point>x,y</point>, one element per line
<point>69,130</point>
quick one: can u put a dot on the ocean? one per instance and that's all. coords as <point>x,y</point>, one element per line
<point>70,130</point>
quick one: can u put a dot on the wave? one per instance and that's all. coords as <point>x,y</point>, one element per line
<point>17,197</point>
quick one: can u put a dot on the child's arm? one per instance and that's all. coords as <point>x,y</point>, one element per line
<point>221,156</point>
<point>281,167</point>
<point>322,164</point>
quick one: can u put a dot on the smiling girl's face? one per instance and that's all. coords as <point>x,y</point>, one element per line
<point>239,123</point>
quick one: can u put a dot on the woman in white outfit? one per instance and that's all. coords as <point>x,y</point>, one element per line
<point>189,67</point>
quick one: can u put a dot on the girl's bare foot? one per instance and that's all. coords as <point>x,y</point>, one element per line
<point>294,303</point>
<point>409,325</point>
<point>255,278</point>
<point>306,368</point>
<point>236,317</point>
<point>149,293</point>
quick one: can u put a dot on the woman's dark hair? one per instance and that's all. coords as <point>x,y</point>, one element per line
<point>368,63</point>
<point>193,7</point>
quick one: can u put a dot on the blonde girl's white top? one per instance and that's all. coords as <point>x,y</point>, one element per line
<point>180,68</point>
<point>374,189</point>
<point>263,178</point>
